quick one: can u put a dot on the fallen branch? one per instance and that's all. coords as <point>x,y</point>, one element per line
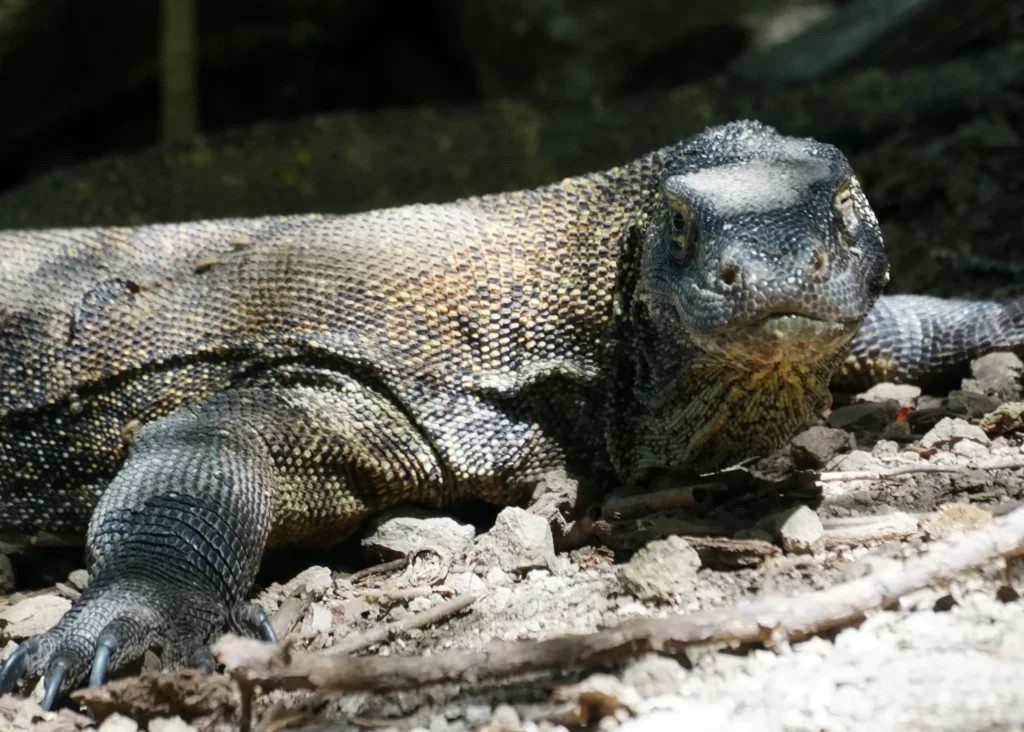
<point>625,507</point>
<point>186,693</point>
<point>395,565</point>
<point>720,552</point>
<point>631,534</point>
<point>165,184</point>
<point>380,634</point>
<point>393,597</point>
<point>867,530</point>
<point>844,475</point>
<point>768,621</point>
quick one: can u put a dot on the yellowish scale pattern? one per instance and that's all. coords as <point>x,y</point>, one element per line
<point>185,395</point>
<point>430,314</point>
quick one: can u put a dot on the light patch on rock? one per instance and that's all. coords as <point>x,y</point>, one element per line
<point>661,570</point>
<point>518,542</point>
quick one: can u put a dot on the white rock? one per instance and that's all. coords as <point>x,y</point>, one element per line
<point>950,430</point>
<point>661,570</point>
<point>518,542</point>
<point>800,531</point>
<point>318,619</point>
<point>169,724</point>
<point>118,723</point>
<point>33,615</point>
<point>399,536</point>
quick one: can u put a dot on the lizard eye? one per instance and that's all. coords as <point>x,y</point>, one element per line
<point>846,211</point>
<point>684,234</point>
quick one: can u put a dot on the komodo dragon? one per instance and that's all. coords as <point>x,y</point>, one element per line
<point>189,394</point>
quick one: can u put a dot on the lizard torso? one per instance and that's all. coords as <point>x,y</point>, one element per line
<point>486,324</point>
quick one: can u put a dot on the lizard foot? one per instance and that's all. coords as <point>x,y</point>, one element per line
<point>114,624</point>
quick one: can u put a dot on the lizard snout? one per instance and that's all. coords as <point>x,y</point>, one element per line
<point>745,266</point>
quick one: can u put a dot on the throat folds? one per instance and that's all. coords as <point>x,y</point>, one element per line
<point>716,413</point>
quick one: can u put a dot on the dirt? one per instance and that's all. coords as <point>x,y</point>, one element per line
<point>945,658</point>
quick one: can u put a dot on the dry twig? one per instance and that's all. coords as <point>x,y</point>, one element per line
<point>289,614</point>
<point>631,534</point>
<point>643,504</point>
<point>186,693</point>
<point>393,597</point>
<point>844,475</point>
<point>395,565</point>
<point>866,530</point>
<point>720,552</point>
<point>768,621</point>
<point>361,641</point>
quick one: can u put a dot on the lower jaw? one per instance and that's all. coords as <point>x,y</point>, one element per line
<point>781,338</point>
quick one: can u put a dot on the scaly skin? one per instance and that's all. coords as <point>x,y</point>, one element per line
<point>189,394</point>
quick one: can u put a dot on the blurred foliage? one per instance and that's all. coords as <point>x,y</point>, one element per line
<point>82,79</point>
<point>339,105</point>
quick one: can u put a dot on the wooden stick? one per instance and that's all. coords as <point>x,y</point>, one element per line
<point>643,504</point>
<point>393,597</point>
<point>436,614</point>
<point>844,475</point>
<point>720,552</point>
<point>863,530</point>
<point>769,621</point>
<point>393,566</point>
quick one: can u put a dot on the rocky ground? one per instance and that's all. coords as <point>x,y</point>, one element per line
<point>880,481</point>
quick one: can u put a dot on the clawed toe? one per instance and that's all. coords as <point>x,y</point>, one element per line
<point>112,626</point>
<point>202,659</point>
<point>52,683</point>
<point>25,662</point>
<point>16,666</point>
<point>105,647</point>
<point>267,632</point>
<point>250,619</point>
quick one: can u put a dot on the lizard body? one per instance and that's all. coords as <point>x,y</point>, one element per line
<point>188,394</point>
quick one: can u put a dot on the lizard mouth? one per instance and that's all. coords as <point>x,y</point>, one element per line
<point>788,326</point>
<point>785,336</point>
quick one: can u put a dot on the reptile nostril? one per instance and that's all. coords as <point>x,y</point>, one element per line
<point>820,260</point>
<point>728,273</point>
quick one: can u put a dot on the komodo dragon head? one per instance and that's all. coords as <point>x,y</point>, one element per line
<point>759,264</point>
<point>768,250</point>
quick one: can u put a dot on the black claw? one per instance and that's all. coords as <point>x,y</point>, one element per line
<point>105,647</point>
<point>51,684</point>
<point>201,658</point>
<point>250,619</point>
<point>267,631</point>
<point>14,668</point>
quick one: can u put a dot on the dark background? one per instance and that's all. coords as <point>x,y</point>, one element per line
<point>324,105</point>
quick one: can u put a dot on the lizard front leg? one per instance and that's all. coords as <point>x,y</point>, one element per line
<point>175,542</point>
<point>927,340</point>
<point>172,548</point>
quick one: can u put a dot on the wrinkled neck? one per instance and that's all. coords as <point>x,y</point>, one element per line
<point>696,412</point>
